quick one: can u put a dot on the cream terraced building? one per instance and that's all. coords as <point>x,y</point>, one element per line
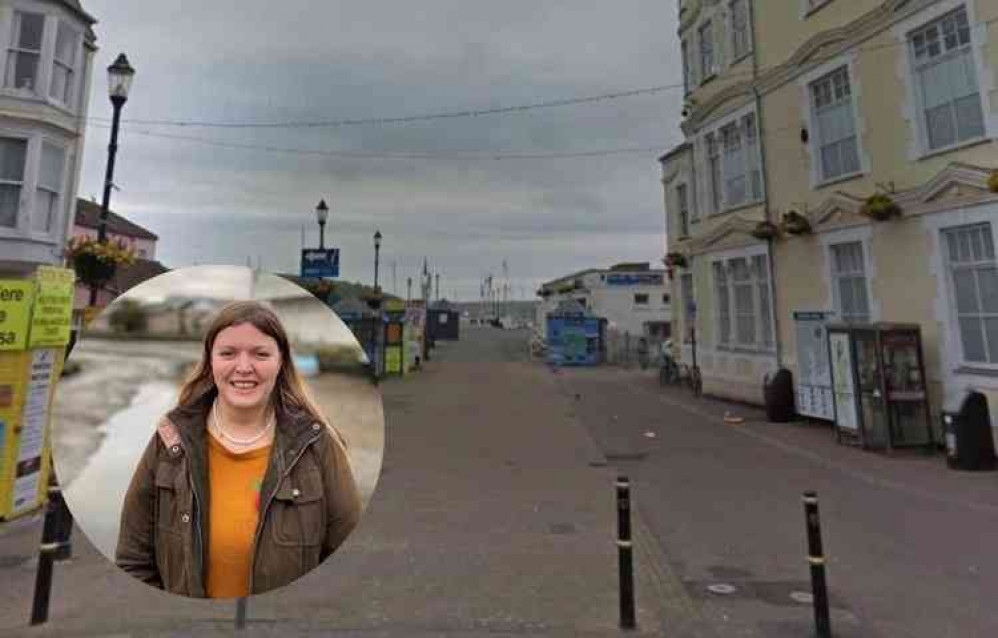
<point>810,107</point>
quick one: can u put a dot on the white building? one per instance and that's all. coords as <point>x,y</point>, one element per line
<point>46,55</point>
<point>633,298</point>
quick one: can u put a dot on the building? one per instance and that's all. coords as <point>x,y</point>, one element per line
<point>633,298</point>
<point>797,118</point>
<point>126,232</point>
<point>46,54</point>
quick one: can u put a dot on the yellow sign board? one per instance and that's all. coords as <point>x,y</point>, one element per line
<point>16,296</point>
<point>394,305</point>
<point>52,318</point>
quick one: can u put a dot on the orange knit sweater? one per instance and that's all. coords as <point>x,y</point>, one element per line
<point>235,481</point>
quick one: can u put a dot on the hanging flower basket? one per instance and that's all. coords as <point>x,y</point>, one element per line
<point>993,182</point>
<point>795,223</point>
<point>765,230</point>
<point>675,260</point>
<point>880,207</point>
<point>95,263</point>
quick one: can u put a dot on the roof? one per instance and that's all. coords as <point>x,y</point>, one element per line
<point>131,276</point>
<point>77,8</point>
<point>571,308</point>
<point>88,214</point>
<point>675,151</point>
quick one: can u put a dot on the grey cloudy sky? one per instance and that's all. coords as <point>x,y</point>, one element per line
<point>254,61</point>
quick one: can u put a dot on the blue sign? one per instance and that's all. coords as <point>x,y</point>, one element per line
<point>320,262</point>
<point>642,279</point>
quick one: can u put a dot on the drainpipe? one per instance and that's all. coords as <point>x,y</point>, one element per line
<point>765,187</point>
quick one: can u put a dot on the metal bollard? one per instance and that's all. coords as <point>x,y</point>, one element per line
<point>816,557</point>
<point>624,553</point>
<point>51,543</point>
<point>241,613</point>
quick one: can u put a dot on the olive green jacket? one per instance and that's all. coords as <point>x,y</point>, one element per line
<point>309,504</point>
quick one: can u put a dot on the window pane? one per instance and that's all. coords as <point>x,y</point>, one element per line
<point>847,304</point>
<point>972,335</point>
<point>941,126</point>
<point>44,211</point>
<point>746,330</point>
<point>989,245</point>
<point>12,154</point>
<point>60,83</point>
<point>24,71</point>
<point>831,165</point>
<point>987,281</point>
<point>969,117</point>
<point>965,287</point>
<point>767,320</point>
<point>9,196</point>
<point>860,297</point>
<point>50,174</point>
<point>65,45</point>
<point>30,33</point>
<point>991,329</point>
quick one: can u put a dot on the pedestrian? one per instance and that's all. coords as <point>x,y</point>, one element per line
<point>245,486</point>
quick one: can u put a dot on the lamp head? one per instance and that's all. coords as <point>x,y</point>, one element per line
<point>377,239</point>
<point>322,211</point>
<point>119,78</point>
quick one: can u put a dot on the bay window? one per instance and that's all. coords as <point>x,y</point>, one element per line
<point>67,47</point>
<point>32,185</point>
<point>740,36</point>
<point>45,60</point>
<point>47,198</point>
<point>708,60</point>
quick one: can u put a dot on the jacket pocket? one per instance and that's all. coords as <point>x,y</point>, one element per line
<point>173,519</point>
<point>298,511</point>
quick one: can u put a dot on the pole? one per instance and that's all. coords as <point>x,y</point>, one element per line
<point>816,557</point>
<point>322,235</point>
<point>50,546</point>
<point>241,613</point>
<point>112,151</point>
<point>625,559</point>
<point>395,289</point>
<point>408,291</point>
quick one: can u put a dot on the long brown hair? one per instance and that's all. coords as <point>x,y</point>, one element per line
<point>290,394</point>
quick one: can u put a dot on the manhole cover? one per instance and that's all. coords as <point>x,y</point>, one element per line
<point>802,597</point>
<point>721,588</point>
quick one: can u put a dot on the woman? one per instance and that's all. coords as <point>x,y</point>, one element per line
<point>244,487</point>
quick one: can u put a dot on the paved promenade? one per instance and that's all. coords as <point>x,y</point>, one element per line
<point>495,516</point>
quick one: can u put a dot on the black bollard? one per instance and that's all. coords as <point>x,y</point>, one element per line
<point>816,557</point>
<point>624,552</point>
<point>64,525</point>
<point>54,522</point>
<point>241,613</point>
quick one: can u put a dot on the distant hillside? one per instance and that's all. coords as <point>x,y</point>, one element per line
<point>341,289</point>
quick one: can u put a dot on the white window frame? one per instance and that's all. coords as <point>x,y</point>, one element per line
<point>859,121</point>
<point>684,52</point>
<point>836,276</point>
<point>73,68</point>
<point>29,187</point>
<point>59,192</point>
<point>948,264</point>
<point>715,181</point>
<point>755,162</point>
<point>23,184</point>
<point>736,55</point>
<point>759,346</point>
<point>707,72</point>
<point>11,37</point>
<point>54,16</point>
<point>863,235</point>
<point>683,208</point>
<point>957,373</point>
<point>912,109</point>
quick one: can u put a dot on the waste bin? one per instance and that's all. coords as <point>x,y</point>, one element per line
<point>969,444</point>
<point>778,392</point>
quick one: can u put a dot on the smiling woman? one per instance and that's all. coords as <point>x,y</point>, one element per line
<point>245,486</point>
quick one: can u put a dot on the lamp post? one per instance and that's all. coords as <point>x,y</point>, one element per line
<point>119,76</point>
<point>321,213</point>
<point>377,301</point>
<point>377,249</point>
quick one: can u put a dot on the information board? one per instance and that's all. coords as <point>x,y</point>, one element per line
<point>52,316</point>
<point>846,416</point>
<point>320,262</point>
<point>814,373</point>
<point>16,297</point>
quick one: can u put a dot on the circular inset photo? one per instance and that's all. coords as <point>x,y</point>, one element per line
<point>219,434</point>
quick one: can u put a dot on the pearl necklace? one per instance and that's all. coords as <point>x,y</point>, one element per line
<point>232,439</point>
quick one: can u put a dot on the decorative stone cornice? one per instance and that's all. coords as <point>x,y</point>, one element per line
<point>734,232</point>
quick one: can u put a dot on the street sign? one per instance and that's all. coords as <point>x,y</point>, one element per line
<point>320,262</point>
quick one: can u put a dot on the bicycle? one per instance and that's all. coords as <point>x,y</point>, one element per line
<point>671,372</point>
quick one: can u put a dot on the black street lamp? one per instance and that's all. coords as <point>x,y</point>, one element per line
<point>119,76</point>
<point>321,213</point>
